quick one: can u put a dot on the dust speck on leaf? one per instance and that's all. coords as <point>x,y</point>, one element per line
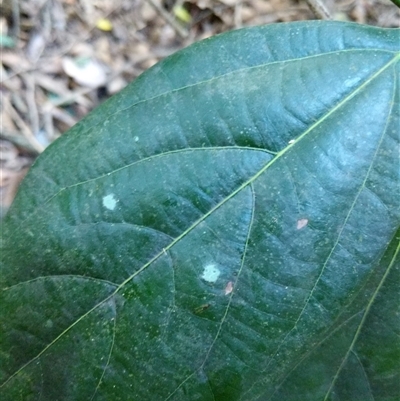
<point>301,223</point>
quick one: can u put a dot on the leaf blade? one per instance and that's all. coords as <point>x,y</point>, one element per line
<point>249,170</point>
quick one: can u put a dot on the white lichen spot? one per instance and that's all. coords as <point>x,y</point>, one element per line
<point>110,201</point>
<point>301,223</point>
<point>210,273</point>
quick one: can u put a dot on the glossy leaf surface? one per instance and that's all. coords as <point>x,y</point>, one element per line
<point>226,228</point>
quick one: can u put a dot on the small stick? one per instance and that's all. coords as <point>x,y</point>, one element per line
<point>30,98</point>
<point>16,20</point>
<point>48,124</point>
<point>179,30</point>
<point>23,127</point>
<point>19,141</point>
<point>319,9</point>
<point>238,15</point>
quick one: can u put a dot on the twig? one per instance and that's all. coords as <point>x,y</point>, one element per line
<point>35,144</point>
<point>238,15</point>
<point>16,20</point>
<point>59,89</point>
<point>319,9</point>
<point>31,101</point>
<point>73,97</point>
<point>48,123</point>
<point>19,141</point>
<point>183,33</point>
<point>46,31</point>
<point>63,116</point>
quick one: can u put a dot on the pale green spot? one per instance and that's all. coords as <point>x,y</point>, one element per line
<point>109,202</point>
<point>210,273</point>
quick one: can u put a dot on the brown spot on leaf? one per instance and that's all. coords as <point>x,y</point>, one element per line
<point>229,288</point>
<point>201,308</point>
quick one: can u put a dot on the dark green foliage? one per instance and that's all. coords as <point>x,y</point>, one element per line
<point>225,229</point>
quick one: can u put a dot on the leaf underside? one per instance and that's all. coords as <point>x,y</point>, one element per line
<point>225,228</point>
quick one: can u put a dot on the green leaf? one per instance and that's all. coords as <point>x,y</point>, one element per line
<point>226,228</point>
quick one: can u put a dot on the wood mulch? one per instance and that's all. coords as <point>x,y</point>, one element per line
<point>62,58</point>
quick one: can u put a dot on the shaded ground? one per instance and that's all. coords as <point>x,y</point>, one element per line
<point>61,58</point>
